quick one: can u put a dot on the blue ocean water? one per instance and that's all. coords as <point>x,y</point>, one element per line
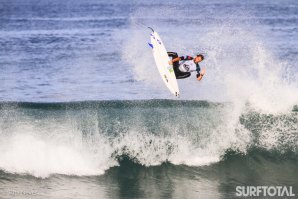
<point>94,50</point>
<point>84,112</point>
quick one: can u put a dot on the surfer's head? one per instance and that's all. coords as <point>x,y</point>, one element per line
<point>199,58</point>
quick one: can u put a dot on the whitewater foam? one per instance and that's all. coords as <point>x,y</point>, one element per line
<point>44,148</point>
<point>241,67</point>
<point>89,138</point>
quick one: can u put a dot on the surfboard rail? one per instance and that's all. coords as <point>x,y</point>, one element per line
<point>162,62</point>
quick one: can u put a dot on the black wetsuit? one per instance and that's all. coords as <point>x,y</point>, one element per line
<point>179,74</point>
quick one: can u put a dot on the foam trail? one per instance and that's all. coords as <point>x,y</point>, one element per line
<point>241,67</point>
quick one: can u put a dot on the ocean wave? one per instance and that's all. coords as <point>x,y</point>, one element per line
<point>87,138</point>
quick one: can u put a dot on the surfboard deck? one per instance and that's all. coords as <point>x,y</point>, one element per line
<point>162,62</point>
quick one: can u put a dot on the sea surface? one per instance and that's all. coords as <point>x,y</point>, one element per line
<point>85,114</point>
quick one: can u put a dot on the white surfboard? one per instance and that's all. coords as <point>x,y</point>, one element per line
<point>162,62</point>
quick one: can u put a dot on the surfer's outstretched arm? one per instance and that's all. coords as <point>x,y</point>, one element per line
<point>202,73</point>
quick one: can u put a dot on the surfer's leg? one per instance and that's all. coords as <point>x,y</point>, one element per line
<point>182,75</point>
<point>176,68</point>
<point>173,55</point>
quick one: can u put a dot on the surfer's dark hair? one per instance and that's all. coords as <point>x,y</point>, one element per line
<point>202,56</point>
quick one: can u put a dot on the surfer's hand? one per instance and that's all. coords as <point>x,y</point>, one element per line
<point>170,62</point>
<point>202,73</point>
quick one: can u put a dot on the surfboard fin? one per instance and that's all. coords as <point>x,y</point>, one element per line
<point>151,29</point>
<point>151,45</point>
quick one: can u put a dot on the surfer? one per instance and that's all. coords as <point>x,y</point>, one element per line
<point>183,66</point>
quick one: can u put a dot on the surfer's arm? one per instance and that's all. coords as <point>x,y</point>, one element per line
<point>201,74</point>
<point>185,58</point>
<point>188,58</point>
<point>199,77</point>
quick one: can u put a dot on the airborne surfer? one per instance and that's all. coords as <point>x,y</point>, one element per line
<point>184,65</point>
